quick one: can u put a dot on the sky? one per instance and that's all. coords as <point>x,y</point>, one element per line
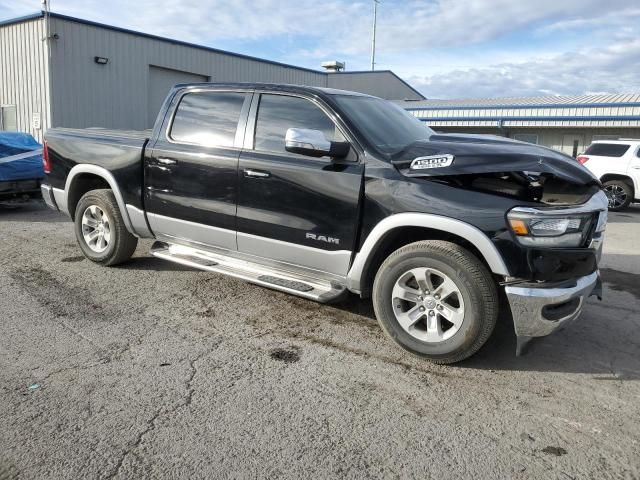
<point>444,48</point>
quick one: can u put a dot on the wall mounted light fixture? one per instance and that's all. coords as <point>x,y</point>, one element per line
<point>101,60</point>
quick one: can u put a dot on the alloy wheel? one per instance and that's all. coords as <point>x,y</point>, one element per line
<point>616,195</point>
<point>428,305</point>
<point>96,229</point>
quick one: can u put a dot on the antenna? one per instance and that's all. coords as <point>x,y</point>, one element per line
<point>373,39</point>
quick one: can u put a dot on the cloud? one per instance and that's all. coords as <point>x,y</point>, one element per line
<point>624,19</point>
<point>612,69</point>
<point>427,25</point>
<point>210,20</point>
<point>342,24</point>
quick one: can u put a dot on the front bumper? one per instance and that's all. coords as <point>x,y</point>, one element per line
<point>539,311</point>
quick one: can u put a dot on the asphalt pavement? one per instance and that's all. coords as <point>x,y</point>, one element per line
<point>152,370</point>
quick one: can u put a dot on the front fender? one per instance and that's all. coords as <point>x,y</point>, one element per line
<point>434,222</point>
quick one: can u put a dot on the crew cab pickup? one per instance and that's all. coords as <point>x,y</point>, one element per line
<point>321,193</point>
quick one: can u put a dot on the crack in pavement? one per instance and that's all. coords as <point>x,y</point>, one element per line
<point>163,410</point>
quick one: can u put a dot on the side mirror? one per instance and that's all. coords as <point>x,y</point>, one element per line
<point>313,143</point>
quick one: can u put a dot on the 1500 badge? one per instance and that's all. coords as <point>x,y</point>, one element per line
<point>432,161</point>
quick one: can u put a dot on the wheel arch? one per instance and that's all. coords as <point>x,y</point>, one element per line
<point>83,178</point>
<point>618,176</point>
<point>401,229</point>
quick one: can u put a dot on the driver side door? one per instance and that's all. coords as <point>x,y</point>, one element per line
<point>294,208</point>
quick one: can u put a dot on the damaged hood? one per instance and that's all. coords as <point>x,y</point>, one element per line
<point>477,154</point>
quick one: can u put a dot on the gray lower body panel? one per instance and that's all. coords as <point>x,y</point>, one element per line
<point>335,262</point>
<point>138,222</point>
<point>48,197</point>
<point>191,231</point>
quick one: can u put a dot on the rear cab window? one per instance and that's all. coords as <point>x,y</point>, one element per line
<point>607,149</point>
<point>207,118</point>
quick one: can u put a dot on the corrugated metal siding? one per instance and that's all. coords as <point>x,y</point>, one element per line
<point>86,94</point>
<point>589,111</point>
<point>382,84</point>
<point>536,102</point>
<point>550,137</point>
<point>23,73</point>
<point>527,117</point>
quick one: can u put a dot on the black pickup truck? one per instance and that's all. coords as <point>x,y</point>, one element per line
<point>320,192</point>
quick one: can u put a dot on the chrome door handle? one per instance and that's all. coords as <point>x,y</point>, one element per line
<point>167,161</point>
<point>636,167</point>
<point>256,173</point>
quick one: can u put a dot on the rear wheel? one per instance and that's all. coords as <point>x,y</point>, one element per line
<point>619,193</point>
<point>100,230</point>
<point>437,300</point>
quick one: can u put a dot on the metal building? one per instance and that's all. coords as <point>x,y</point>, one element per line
<point>60,71</point>
<point>568,124</point>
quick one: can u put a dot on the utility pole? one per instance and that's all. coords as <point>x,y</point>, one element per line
<point>373,39</point>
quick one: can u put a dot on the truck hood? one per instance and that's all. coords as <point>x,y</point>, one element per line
<point>478,154</point>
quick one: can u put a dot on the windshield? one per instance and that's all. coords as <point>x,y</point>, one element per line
<point>385,125</point>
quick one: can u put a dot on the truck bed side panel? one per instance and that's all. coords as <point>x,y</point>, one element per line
<point>119,152</point>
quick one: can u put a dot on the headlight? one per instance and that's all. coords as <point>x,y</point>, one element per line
<point>550,229</point>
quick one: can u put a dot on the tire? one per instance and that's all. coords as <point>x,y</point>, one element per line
<point>619,194</point>
<point>118,245</point>
<point>433,336</point>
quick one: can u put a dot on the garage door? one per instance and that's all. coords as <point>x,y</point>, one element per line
<point>160,82</point>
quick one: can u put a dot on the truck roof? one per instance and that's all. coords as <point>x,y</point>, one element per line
<point>274,87</point>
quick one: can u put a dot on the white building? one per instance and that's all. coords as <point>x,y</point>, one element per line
<point>568,124</point>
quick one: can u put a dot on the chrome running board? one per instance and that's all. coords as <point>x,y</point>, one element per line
<point>267,276</point>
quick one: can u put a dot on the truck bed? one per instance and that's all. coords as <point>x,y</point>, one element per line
<point>119,152</point>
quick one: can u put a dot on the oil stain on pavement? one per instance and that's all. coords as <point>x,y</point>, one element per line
<point>622,281</point>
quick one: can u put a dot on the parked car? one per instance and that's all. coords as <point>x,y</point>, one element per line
<point>321,193</point>
<point>20,166</point>
<point>617,164</point>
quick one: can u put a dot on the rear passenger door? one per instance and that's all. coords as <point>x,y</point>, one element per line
<point>191,176</point>
<point>294,208</point>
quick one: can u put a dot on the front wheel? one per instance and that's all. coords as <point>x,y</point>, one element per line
<point>437,300</point>
<point>100,230</point>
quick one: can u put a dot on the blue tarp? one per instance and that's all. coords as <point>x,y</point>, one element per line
<point>20,157</point>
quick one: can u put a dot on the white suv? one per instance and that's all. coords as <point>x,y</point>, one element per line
<point>617,164</point>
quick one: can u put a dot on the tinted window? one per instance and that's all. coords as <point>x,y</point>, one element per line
<point>387,126</point>
<point>208,118</point>
<point>278,113</point>
<point>607,149</point>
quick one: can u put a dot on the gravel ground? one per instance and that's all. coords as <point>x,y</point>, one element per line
<point>157,371</point>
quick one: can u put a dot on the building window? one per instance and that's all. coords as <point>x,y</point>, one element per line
<point>526,137</point>
<point>8,118</point>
